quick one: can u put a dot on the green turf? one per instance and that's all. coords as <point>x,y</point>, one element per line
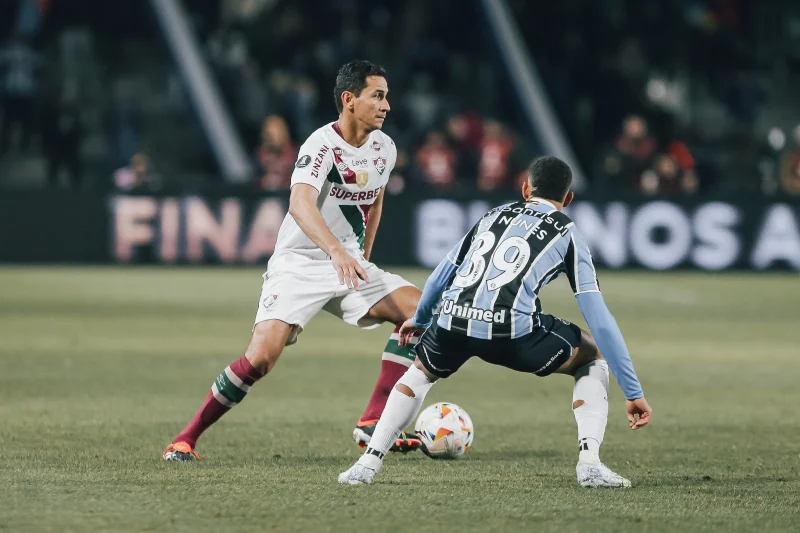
<point>100,367</point>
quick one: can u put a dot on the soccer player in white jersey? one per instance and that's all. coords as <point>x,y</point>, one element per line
<point>321,258</point>
<point>488,289</point>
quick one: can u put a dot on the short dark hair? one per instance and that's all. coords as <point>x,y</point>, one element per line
<point>352,77</point>
<point>550,178</point>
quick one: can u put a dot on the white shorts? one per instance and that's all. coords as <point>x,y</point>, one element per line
<point>297,287</point>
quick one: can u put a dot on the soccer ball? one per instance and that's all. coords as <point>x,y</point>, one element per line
<point>445,430</point>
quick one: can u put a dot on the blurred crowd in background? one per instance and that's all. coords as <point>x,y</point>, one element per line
<point>658,98</point>
<point>675,97</point>
<point>449,118</point>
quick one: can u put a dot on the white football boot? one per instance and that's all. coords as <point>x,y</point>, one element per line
<point>595,474</point>
<point>363,472</point>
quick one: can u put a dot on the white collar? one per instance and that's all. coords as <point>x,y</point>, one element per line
<point>541,201</point>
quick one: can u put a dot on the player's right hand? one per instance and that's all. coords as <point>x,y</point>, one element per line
<point>348,269</point>
<point>407,331</point>
<point>638,412</point>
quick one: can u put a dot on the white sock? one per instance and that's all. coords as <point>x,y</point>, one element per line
<point>591,387</point>
<point>400,410</point>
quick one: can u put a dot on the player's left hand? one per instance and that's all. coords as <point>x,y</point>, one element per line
<point>638,412</point>
<point>408,330</point>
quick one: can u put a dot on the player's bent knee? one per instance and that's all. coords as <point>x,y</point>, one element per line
<point>263,361</point>
<point>596,369</point>
<point>261,358</point>
<point>266,345</point>
<point>414,381</point>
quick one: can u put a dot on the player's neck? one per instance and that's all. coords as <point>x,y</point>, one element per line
<point>351,132</point>
<point>557,205</point>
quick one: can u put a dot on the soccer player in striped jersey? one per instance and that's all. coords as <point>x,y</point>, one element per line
<point>487,293</point>
<point>321,258</point>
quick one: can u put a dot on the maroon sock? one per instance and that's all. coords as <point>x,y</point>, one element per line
<point>396,361</point>
<point>230,388</point>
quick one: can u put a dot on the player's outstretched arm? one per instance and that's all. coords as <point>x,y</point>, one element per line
<point>609,339</point>
<point>583,279</point>
<point>303,208</point>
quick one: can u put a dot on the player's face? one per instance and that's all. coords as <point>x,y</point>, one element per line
<point>371,106</point>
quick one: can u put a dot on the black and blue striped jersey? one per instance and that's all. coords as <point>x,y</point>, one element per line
<point>503,263</point>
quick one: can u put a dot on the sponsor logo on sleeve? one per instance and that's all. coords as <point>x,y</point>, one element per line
<point>303,161</point>
<point>318,161</point>
<point>269,300</point>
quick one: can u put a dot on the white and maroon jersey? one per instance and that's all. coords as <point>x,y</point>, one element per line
<point>348,179</point>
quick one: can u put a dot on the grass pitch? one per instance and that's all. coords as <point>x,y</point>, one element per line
<point>100,367</point>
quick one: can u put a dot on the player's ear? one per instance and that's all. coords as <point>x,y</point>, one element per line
<point>526,189</point>
<point>568,198</point>
<point>348,100</point>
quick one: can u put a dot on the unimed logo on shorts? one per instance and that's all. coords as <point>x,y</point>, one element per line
<point>449,307</point>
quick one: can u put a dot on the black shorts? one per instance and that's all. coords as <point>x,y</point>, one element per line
<point>541,352</point>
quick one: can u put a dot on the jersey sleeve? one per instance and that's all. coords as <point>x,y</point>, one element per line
<point>579,265</point>
<point>314,162</point>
